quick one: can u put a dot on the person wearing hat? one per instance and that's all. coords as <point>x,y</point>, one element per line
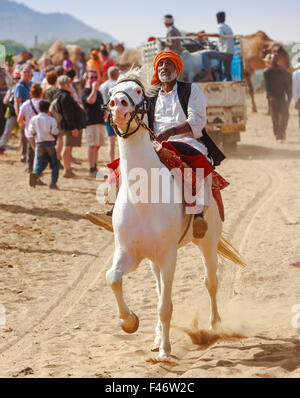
<point>95,63</point>
<point>278,83</point>
<point>172,44</point>
<point>177,116</point>
<point>296,88</point>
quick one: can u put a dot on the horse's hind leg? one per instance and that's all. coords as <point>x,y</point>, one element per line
<point>210,252</point>
<point>165,307</point>
<point>158,330</point>
<point>122,264</point>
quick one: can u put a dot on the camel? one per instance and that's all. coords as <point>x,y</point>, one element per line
<point>55,52</point>
<point>153,230</point>
<point>256,47</point>
<point>127,59</point>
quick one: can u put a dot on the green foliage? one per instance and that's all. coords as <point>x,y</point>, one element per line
<point>9,58</point>
<point>13,47</point>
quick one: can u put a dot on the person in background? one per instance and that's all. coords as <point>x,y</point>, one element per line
<point>52,90</point>
<point>113,75</point>
<point>81,66</point>
<point>49,95</point>
<point>42,133</point>
<point>296,88</point>
<point>29,109</point>
<point>172,44</point>
<point>226,48</point>
<point>71,124</point>
<point>25,58</point>
<point>67,64</point>
<point>4,86</point>
<point>95,125</point>
<point>22,94</point>
<point>278,83</point>
<point>71,74</point>
<point>38,74</point>
<point>94,63</point>
<point>11,121</point>
<point>107,62</point>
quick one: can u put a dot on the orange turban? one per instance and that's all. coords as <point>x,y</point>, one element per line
<point>163,55</point>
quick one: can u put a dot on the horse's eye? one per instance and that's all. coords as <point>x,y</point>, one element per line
<point>124,102</point>
<point>112,103</point>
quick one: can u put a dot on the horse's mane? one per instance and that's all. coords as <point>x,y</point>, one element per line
<point>137,75</point>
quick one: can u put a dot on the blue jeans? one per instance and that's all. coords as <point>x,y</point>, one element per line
<point>224,57</point>
<point>10,125</point>
<point>46,153</point>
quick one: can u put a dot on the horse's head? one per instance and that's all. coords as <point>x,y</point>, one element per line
<point>127,100</point>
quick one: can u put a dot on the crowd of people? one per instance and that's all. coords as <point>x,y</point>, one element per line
<point>49,107</point>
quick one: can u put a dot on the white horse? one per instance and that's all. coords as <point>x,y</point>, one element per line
<point>153,230</point>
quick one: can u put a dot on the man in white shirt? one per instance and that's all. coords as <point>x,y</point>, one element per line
<point>42,133</point>
<point>296,89</point>
<point>226,48</point>
<point>177,115</point>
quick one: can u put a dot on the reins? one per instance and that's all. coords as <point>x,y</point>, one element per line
<point>141,108</point>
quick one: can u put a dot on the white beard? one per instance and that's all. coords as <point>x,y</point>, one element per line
<point>167,79</point>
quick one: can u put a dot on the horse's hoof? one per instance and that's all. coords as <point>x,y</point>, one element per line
<point>131,324</point>
<point>165,357</point>
<point>215,325</point>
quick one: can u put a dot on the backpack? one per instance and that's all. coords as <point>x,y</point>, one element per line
<point>55,111</point>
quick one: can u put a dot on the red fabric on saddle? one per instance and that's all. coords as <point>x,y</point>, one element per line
<point>172,159</point>
<point>195,162</point>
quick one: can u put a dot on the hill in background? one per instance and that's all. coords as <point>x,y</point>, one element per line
<point>20,23</point>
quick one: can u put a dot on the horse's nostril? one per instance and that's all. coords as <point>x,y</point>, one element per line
<point>124,102</point>
<point>112,103</point>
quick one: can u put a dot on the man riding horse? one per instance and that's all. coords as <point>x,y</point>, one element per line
<point>177,116</point>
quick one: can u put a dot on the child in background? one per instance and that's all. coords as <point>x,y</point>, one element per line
<point>42,135</point>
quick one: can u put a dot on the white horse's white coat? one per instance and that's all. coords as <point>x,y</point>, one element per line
<point>152,231</point>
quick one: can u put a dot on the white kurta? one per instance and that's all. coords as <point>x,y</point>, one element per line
<point>169,113</point>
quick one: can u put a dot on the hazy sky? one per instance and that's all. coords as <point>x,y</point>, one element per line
<point>133,21</point>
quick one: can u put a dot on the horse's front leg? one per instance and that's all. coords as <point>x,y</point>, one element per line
<point>158,330</point>
<point>165,307</point>
<point>122,264</point>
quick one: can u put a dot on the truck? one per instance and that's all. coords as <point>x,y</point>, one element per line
<point>226,100</point>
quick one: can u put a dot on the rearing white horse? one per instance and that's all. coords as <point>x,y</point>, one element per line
<point>153,230</point>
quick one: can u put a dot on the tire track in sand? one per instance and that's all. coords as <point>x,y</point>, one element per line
<point>242,229</point>
<point>62,306</point>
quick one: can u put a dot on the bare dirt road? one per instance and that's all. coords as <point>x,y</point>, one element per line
<point>61,318</point>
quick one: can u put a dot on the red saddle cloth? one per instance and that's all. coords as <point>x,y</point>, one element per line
<point>172,159</point>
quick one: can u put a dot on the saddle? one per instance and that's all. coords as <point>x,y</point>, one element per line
<point>188,176</point>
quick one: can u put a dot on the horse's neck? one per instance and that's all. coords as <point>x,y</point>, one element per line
<point>137,152</point>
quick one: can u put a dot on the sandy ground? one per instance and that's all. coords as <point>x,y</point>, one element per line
<point>61,317</point>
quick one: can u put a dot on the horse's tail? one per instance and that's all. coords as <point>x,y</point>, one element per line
<point>226,250</point>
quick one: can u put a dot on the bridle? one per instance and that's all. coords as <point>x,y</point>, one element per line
<point>141,108</point>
